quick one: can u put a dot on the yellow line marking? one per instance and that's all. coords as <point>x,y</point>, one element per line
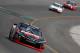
<point>34,21</point>
<point>51,49</point>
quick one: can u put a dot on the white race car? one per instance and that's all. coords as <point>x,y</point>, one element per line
<point>56,7</point>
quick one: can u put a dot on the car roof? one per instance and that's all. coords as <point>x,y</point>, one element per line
<point>58,4</point>
<point>71,1</point>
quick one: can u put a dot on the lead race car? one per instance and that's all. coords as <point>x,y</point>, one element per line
<point>27,33</point>
<point>56,7</point>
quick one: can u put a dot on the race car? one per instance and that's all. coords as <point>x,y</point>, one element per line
<point>70,5</point>
<point>27,33</point>
<point>56,7</point>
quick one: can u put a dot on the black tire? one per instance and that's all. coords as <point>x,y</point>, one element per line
<point>51,9</point>
<point>39,45</point>
<point>12,33</point>
<point>17,37</point>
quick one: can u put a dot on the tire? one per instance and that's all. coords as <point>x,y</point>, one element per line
<point>39,45</point>
<point>50,9</point>
<point>12,33</point>
<point>17,37</point>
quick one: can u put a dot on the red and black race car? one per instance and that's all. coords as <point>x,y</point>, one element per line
<point>70,5</point>
<point>27,33</point>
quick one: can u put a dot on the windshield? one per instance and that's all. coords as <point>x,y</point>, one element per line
<point>23,25</point>
<point>57,5</point>
<point>72,3</point>
<point>30,29</point>
<point>33,30</point>
<point>36,31</point>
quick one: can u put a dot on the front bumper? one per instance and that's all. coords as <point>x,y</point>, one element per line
<point>33,41</point>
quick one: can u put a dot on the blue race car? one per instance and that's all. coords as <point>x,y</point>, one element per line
<point>27,33</point>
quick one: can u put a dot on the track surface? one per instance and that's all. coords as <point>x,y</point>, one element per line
<point>37,8</point>
<point>39,11</point>
<point>55,28</point>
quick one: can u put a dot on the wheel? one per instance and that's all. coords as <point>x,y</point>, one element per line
<point>50,9</point>
<point>12,33</point>
<point>39,45</point>
<point>17,37</point>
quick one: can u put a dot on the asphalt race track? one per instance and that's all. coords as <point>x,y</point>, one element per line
<point>37,8</point>
<point>56,27</point>
<point>57,32</point>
